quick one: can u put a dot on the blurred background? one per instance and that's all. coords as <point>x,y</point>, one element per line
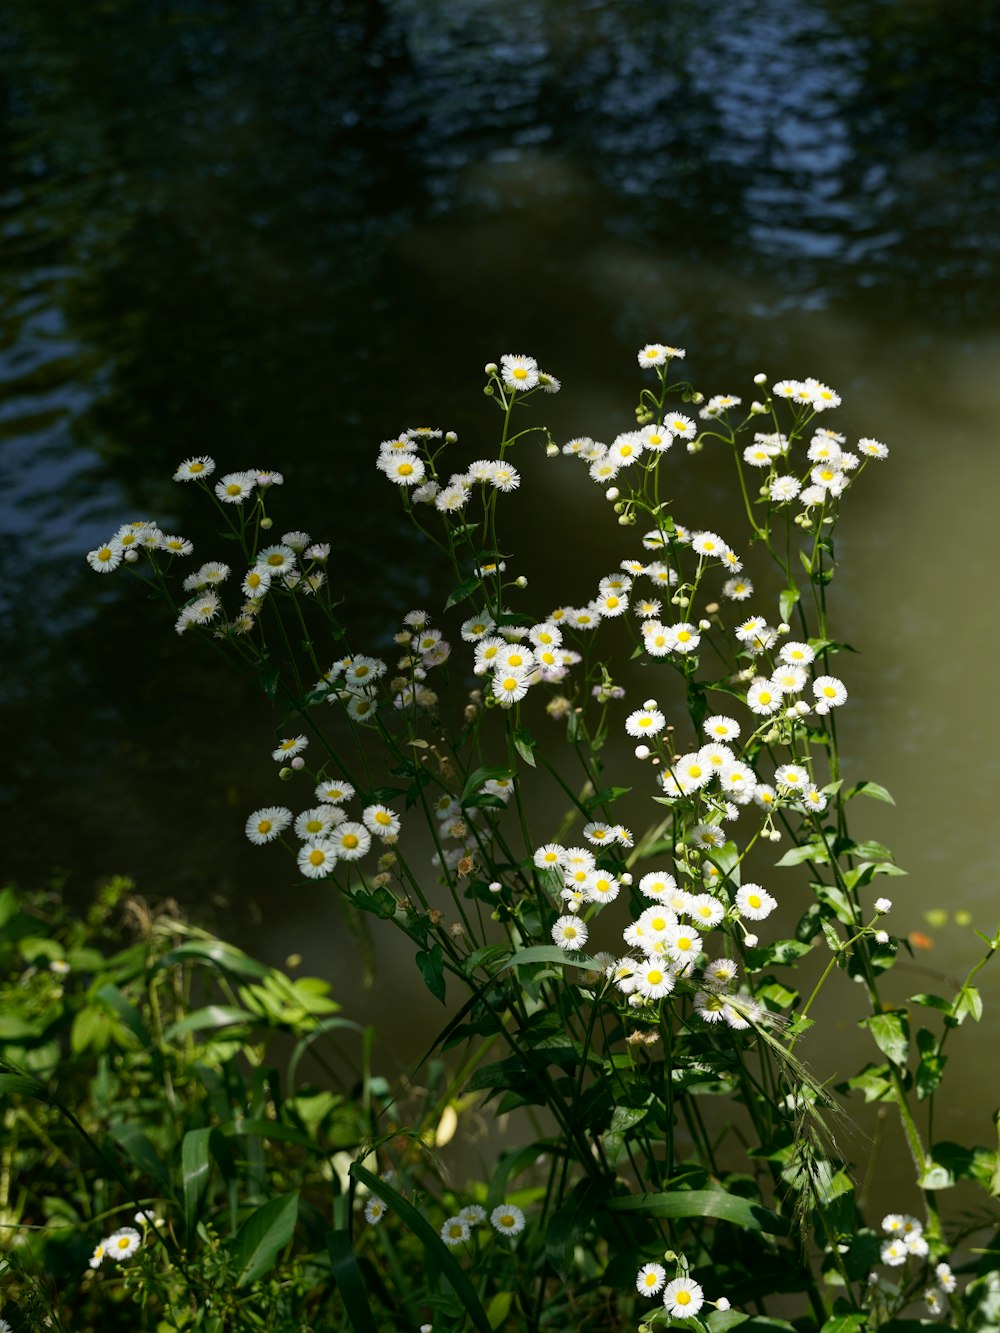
<point>281,231</point>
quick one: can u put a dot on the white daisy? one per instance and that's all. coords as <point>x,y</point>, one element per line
<point>381,821</point>
<point>519,372</point>
<point>645,722</point>
<point>317,857</point>
<point>455,1231</point>
<point>104,559</point>
<point>194,469</point>
<point>720,728</point>
<point>122,1244</point>
<point>650,1279</point>
<point>289,747</point>
<point>507,1219</point>
<point>653,979</point>
<point>754,903</point>
<point>234,487</point>
<point>683,1298</point>
<point>403,469</point>
<point>351,840</point>
<point>570,933</point>
<point>268,823</point>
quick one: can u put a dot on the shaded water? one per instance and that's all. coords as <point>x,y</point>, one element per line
<point>280,232</point>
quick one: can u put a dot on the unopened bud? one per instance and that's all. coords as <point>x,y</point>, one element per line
<point>266,523</point>
<point>520,581</point>
<point>612,493</point>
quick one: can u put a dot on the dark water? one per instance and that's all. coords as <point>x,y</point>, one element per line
<point>280,232</point>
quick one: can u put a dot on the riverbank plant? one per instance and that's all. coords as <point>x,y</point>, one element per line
<point>617,833</point>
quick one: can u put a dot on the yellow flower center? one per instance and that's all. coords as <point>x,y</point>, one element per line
<point>264,826</point>
<point>197,467</point>
<point>405,469</point>
<point>683,1298</point>
<point>316,857</point>
<point>383,818</point>
<point>349,840</point>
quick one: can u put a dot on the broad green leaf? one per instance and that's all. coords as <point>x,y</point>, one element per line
<point>499,1308</point>
<point>524,744</point>
<point>266,1129</point>
<point>812,851</point>
<point>461,592</point>
<point>845,1323</point>
<point>703,1203</point>
<point>551,953</point>
<point>212,1016</point>
<point>431,964</point>
<point>432,1243</point>
<point>720,1321</point>
<point>891,1033</point>
<point>623,1119</point>
<point>968,1003</point>
<point>873,789</point>
<point>218,954</point>
<point>267,1230</point>
<point>786,601</point>
<point>930,1002</point>
<point>951,1162</point>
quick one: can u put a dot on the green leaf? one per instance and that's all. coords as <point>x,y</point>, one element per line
<point>499,1308</point>
<point>873,789</point>
<point>20,1085</point>
<point>212,1016</point>
<point>968,1003</point>
<point>931,1002</point>
<point>432,1243</point>
<point>950,1162</point>
<point>267,1230</point>
<point>812,851</point>
<point>431,964</point>
<point>551,953</point>
<point>345,1271</point>
<point>786,601</point>
<point>140,1150</point>
<point>719,1321</point>
<point>845,1323</point>
<point>524,744</point>
<point>623,1119</point>
<point>216,953</point>
<point>195,1164</point>
<point>891,1033</point>
<point>464,590</point>
<point>266,1129</point>
<point>703,1203</point>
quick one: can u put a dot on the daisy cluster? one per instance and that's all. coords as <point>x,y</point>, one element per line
<point>411,459</point>
<point>683,1298</point>
<point>905,1240</point>
<point>121,1244</point>
<point>506,1219</point>
<point>327,836</point>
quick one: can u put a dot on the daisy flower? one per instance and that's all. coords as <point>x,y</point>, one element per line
<point>720,972</point>
<point>455,1231</point>
<point>95,1262</point>
<point>653,354</point>
<point>234,487</point>
<point>289,747</point>
<point>122,1244</point>
<point>266,824</point>
<point>314,823</point>
<point>763,698</point>
<point>645,722</point>
<point>334,790</point>
<point>476,628</point>
<point>657,885</point>
<point>685,637</point>
<point>754,903</point>
<point>375,1211</point>
<point>194,468</point>
<point>519,372</point>
<point>894,1253</point>
<point>570,933</point>
<point>704,909</point>
<point>317,857</point>
<point>720,728</point>
<point>683,1297</point>
<point>350,840</point>
<point>872,448</point>
<point>737,590</point>
<point>830,693</point>
<point>381,821</point>
<point>504,477</point>
<point>279,559</point>
<point>104,559</point>
<point>510,684</point>
<point>653,980</point>
<point>177,545</point>
<point>403,469</point>
<point>507,1219</point>
<point>680,425</point>
<point>682,944</point>
<point>549,857</point>
<point>601,887</point>
<point>710,1006</point>
<point>650,1279</point>
<point>708,544</point>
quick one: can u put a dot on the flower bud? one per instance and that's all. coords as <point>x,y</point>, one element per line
<point>612,493</point>
<point>266,523</point>
<point>759,378</point>
<point>642,752</point>
<point>298,763</point>
<point>285,773</point>
<point>520,581</point>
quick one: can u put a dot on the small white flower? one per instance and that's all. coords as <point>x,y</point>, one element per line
<point>507,1219</point>
<point>650,1279</point>
<point>570,933</point>
<point>122,1244</point>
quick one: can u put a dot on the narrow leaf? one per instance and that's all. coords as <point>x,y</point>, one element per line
<point>703,1203</point>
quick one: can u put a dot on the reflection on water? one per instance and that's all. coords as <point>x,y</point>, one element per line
<point>280,233</point>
